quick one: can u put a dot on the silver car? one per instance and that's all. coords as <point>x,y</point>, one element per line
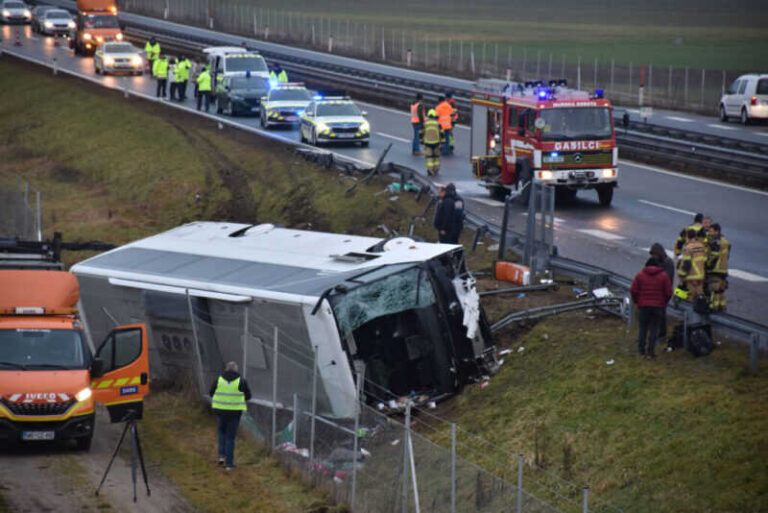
<point>14,11</point>
<point>118,57</point>
<point>746,99</point>
<point>37,16</point>
<point>55,22</point>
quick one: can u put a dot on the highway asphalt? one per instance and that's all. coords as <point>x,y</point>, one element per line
<point>651,204</point>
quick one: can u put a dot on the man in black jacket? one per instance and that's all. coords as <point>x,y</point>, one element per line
<point>449,215</point>
<point>229,394</point>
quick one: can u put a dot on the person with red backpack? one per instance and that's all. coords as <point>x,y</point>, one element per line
<point>651,290</point>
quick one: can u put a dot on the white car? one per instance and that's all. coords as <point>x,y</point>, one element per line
<point>746,99</point>
<point>334,119</point>
<point>284,104</point>
<point>118,57</point>
<point>14,11</point>
<point>56,22</point>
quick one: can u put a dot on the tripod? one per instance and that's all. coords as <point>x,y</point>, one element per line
<point>131,424</point>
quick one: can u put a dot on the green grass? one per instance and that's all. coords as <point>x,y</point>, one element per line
<point>673,435</point>
<point>180,437</point>
<point>708,35</point>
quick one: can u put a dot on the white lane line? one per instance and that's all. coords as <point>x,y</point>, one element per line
<point>673,209</point>
<point>675,118</point>
<point>694,178</point>
<point>721,127</point>
<point>394,137</point>
<point>601,234</point>
<point>764,134</point>
<point>744,275</point>
<point>487,201</point>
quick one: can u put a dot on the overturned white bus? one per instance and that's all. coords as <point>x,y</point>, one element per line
<point>212,292</point>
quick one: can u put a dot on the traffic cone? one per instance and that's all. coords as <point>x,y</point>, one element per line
<point>56,40</point>
<point>18,40</point>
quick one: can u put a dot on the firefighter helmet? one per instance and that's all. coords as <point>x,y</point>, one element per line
<point>432,113</point>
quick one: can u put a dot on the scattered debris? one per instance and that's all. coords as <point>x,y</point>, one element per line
<point>501,362</point>
<point>545,336</point>
<point>484,384</point>
<point>505,352</point>
<point>493,247</point>
<point>520,349</point>
<point>609,362</point>
<point>521,295</point>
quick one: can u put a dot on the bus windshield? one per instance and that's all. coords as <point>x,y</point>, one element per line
<point>101,21</point>
<point>36,349</point>
<point>578,123</point>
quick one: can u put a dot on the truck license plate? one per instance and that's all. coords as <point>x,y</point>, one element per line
<point>37,435</point>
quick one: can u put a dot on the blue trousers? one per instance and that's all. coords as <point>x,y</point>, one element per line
<point>228,424</point>
<point>416,146</point>
<point>447,145</point>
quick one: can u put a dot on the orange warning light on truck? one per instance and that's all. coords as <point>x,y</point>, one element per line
<point>49,380</point>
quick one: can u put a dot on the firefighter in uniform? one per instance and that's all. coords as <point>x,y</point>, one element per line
<point>417,122</point>
<point>692,265</point>
<point>229,394</point>
<point>445,118</point>
<point>431,137</point>
<point>717,268</point>
<point>682,239</point>
<point>160,72</point>
<point>152,49</point>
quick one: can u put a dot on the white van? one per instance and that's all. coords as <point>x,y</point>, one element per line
<point>746,98</point>
<point>233,61</point>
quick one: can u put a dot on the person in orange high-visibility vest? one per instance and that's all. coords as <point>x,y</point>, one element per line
<point>417,121</point>
<point>445,118</point>
<point>455,118</point>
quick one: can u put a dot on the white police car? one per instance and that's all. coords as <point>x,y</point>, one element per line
<point>334,119</point>
<point>284,104</point>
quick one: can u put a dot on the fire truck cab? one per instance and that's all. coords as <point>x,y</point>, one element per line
<point>543,132</point>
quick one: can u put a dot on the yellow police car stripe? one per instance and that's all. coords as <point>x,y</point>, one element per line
<point>122,381</point>
<point>105,384</point>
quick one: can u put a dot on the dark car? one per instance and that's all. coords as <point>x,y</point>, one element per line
<point>37,16</point>
<point>241,95</point>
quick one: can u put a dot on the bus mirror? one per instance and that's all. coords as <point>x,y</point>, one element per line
<point>97,368</point>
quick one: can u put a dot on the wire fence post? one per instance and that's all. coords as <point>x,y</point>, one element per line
<point>39,224</point>
<point>453,467</point>
<point>360,368</point>
<point>754,356</point>
<point>197,343</point>
<point>585,499</point>
<point>703,76</point>
<point>405,457</point>
<point>519,483</point>
<point>295,430</point>
<point>613,63</point>
<point>274,389</point>
<point>314,413</point>
<point>472,57</point>
<point>578,73</point>
<point>245,341</point>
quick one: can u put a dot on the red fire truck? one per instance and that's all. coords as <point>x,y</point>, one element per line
<point>544,132</point>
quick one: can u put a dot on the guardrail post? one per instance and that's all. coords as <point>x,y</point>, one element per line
<point>504,227</point>
<point>453,467</point>
<point>409,57</point>
<point>519,483</point>
<point>585,499</point>
<point>685,329</point>
<point>274,390</point>
<point>330,44</point>
<point>754,356</point>
<point>55,66</point>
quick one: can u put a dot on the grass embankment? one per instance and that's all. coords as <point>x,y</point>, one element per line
<point>116,169</point>
<point>180,435</point>
<point>714,36</point>
<point>676,434</point>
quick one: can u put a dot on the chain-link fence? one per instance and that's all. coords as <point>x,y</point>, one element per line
<point>19,211</point>
<point>681,88</point>
<point>317,426</point>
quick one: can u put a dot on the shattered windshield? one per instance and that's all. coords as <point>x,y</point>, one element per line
<point>392,294</point>
<point>41,348</point>
<point>577,123</point>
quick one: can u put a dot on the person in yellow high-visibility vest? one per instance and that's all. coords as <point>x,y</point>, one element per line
<point>229,394</point>
<point>160,72</point>
<point>152,49</point>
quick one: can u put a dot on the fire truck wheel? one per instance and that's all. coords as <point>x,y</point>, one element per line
<point>605,194</point>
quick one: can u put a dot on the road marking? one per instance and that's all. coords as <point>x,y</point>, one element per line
<point>673,209</point>
<point>694,178</point>
<point>764,134</point>
<point>394,137</point>
<point>487,201</point>
<point>721,127</point>
<point>675,118</point>
<point>744,275</point>
<point>601,234</point>
<point>557,219</point>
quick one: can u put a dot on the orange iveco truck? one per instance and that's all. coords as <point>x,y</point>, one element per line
<point>96,22</point>
<point>49,380</point>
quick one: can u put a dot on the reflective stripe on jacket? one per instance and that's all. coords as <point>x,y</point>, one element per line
<point>694,261</point>
<point>720,250</point>
<point>431,133</point>
<point>444,115</point>
<point>228,396</point>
